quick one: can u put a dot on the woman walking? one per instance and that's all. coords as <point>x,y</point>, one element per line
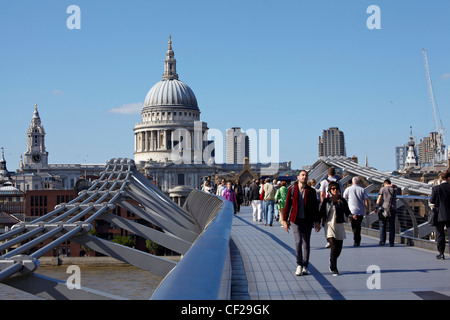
<point>228,194</point>
<point>332,212</point>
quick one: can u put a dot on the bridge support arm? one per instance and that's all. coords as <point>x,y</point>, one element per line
<point>140,259</point>
<point>53,289</point>
<point>166,240</point>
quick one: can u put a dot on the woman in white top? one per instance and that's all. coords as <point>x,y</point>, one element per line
<point>332,211</point>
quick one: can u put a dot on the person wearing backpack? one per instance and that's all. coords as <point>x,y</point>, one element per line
<point>388,196</point>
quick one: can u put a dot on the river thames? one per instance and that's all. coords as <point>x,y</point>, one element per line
<point>125,281</point>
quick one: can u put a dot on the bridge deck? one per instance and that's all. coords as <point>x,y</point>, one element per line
<point>268,258</point>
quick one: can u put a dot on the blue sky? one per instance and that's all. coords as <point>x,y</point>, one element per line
<point>297,66</point>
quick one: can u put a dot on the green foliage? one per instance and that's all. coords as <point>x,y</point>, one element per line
<point>153,247</point>
<point>123,240</point>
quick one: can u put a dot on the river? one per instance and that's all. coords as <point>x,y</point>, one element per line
<point>124,281</point>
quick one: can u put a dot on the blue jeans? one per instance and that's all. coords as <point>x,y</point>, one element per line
<point>268,211</point>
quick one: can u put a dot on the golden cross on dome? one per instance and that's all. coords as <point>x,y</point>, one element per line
<point>170,42</point>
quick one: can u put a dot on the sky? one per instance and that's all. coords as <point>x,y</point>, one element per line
<point>292,65</point>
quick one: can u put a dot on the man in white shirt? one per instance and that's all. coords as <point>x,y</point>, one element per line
<point>323,190</point>
<point>358,202</point>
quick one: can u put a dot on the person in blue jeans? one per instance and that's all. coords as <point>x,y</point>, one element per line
<point>268,203</point>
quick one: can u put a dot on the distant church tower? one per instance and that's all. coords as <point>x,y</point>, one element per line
<point>36,157</point>
<point>412,161</point>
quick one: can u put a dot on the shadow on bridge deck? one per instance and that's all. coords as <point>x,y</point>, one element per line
<point>268,257</point>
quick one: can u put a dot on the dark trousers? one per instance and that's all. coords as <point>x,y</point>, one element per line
<point>440,235</point>
<point>335,252</point>
<point>302,235</point>
<point>384,222</point>
<point>356,227</point>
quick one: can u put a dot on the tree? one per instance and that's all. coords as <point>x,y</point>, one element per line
<point>124,240</point>
<point>153,247</point>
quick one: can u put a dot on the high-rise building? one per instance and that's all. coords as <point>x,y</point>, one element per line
<point>427,149</point>
<point>237,146</point>
<point>400,157</point>
<point>332,143</point>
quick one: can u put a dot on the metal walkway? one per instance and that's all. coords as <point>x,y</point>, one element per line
<point>268,256</point>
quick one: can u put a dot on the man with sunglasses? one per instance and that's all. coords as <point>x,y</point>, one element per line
<point>333,211</point>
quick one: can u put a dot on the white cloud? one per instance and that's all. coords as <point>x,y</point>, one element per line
<point>130,108</point>
<point>445,76</point>
<point>58,92</point>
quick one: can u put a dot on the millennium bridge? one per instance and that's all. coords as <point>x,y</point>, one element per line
<point>227,256</point>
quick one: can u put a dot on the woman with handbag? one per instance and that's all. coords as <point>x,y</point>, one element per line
<point>333,210</point>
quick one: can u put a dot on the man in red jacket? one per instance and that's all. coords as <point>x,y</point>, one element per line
<point>301,212</point>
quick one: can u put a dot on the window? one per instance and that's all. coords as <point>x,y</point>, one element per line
<point>181,179</point>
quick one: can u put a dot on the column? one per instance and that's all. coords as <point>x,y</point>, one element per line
<point>146,140</point>
<point>157,140</point>
<point>152,146</point>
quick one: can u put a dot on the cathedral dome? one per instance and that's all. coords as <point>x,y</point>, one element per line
<point>171,93</point>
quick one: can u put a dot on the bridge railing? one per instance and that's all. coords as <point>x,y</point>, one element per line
<point>411,222</point>
<point>204,273</point>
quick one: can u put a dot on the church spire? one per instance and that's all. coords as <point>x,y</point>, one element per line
<point>36,120</point>
<point>170,64</point>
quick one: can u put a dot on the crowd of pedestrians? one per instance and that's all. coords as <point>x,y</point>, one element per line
<point>304,206</point>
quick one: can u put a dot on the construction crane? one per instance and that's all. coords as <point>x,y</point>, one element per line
<point>439,128</point>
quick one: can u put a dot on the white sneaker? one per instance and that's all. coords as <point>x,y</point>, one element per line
<point>298,272</point>
<point>304,271</point>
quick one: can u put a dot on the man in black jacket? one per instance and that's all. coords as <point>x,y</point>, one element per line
<point>440,198</point>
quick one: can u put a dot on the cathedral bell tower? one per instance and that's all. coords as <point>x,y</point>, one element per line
<point>36,157</point>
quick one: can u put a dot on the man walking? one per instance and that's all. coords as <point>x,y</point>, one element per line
<point>331,177</point>
<point>300,212</point>
<point>440,198</point>
<point>221,187</point>
<point>387,195</point>
<point>269,203</point>
<point>358,202</point>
